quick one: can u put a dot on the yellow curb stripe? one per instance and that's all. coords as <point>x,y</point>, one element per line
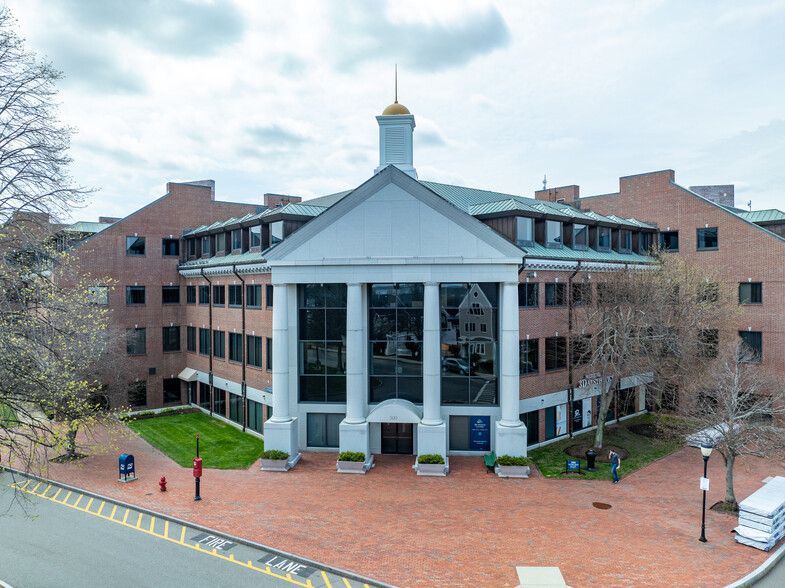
<point>165,536</point>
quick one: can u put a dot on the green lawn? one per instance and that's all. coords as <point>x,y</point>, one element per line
<point>552,461</point>
<point>221,445</point>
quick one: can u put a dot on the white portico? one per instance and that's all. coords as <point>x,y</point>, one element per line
<point>390,262</point>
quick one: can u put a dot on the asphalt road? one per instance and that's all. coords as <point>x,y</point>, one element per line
<point>775,578</point>
<point>61,539</point>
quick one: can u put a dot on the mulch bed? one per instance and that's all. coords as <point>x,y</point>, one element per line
<point>66,459</point>
<point>579,451</point>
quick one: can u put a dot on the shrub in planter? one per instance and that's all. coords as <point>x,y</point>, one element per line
<point>430,458</point>
<point>509,460</point>
<point>351,456</point>
<point>275,454</point>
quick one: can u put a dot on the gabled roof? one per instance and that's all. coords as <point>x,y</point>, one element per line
<point>762,216</point>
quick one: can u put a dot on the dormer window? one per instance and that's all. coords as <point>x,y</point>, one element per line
<point>603,239</point>
<point>220,243</point>
<point>580,237</point>
<point>256,236</point>
<point>625,241</point>
<point>237,239</point>
<point>276,232</point>
<point>553,236</point>
<point>524,231</point>
<point>206,245</point>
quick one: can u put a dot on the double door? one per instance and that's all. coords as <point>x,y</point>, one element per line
<point>398,438</point>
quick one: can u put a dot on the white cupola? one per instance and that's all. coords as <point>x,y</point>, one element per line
<point>396,126</point>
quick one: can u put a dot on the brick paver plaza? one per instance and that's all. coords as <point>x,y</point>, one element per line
<point>470,528</point>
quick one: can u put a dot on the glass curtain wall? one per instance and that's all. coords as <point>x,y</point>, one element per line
<point>395,330</point>
<point>469,337</point>
<point>322,341</point>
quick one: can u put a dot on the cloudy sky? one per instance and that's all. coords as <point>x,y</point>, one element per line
<point>272,96</point>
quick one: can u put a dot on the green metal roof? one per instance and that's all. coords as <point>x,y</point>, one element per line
<point>86,227</point>
<point>238,258</point>
<point>762,216</point>
<point>538,250</point>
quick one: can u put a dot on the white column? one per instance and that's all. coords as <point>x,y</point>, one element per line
<point>431,364</point>
<point>509,394</point>
<point>281,412</point>
<point>355,347</point>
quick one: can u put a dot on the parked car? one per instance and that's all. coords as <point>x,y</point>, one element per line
<point>456,365</point>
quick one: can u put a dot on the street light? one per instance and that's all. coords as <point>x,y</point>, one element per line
<point>706,451</point>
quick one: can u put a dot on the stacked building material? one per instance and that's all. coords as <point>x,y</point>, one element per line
<point>762,516</point>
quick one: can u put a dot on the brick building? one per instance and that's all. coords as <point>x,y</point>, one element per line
<point>403,316</point>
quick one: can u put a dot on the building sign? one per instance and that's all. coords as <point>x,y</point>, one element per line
<point>480,433</point>
<point>593,380</point>
<point>277,563</point>
<point>573,465</point>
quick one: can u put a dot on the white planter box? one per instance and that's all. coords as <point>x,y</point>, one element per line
<point>275,465</point>
<point>513,471</point>
<point>432,469</point>
<point>351,467</point>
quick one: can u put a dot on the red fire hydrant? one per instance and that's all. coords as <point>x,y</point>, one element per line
<point>162,483</point>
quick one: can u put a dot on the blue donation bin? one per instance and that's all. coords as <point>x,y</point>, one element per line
<point>127,468</point>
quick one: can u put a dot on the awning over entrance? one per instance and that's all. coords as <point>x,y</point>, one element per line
<point>188,375</point>
<point>395,410</point>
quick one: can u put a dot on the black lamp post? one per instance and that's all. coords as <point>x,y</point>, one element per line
<point>706,451</point>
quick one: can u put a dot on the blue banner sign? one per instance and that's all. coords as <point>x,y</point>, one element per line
<point>573,465</point>
<point>480,433</point>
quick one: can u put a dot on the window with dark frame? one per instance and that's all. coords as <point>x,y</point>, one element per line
<point>204,294</point>
<point>269,354</point>
<point>254,351</point>
<point>555,353</point>
<point>708,342</point>
<point>529,356</point>
<point>170,294</point>
<point>669,240</point>
<point>134,245</point>
<point>134,295</point>
<point>170,247</point>
<point>204,341</point>
<point>253,296</point>
<point>581,293</point>
<point>237,239</point>
<point>581,349</point>
<point>220,243</point>
<point>219,344</point>
<point>236,347</point>
<point>625,241</point>
<point>708,238</point>
<point>190,294</point>
<point>322,342</point>
<point>219,295</point>
<point>190,336</point>
<point>524,231</point>
<point>753,343</point>
<point>98,294</point>
<point>528,295</point>
<point>603,239</point>
<point>276,232</point>
<point>235,295</point>
<point>171,339</point>
<point>553,234</point>
<point>136,341</point>
<point>750,293</point>
<point>206,245</point>
<point>556,294</point>
<point>268,293</point>
<point>137,394</point>
<point>580,237</point>
<point>172,390</point>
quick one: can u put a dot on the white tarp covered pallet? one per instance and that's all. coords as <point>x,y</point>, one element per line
<point>762,516</point>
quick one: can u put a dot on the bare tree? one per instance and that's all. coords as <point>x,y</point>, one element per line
<point>737,408</point>
<point>652,323</point>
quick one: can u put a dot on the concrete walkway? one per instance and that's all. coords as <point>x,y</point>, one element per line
<point>470,528</point>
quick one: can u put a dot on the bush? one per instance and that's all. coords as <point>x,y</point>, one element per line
<point>351,456</point>
<point>430,458</point>
<point>509,460</point>
<point>275,454</point>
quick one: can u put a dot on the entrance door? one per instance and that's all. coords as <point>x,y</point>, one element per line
<point>398,438</point>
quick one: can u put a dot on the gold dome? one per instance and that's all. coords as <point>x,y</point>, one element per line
<point>394,109</point>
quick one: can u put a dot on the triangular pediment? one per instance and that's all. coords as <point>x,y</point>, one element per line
<point>393,216</point>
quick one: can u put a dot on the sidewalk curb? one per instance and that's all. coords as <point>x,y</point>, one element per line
<point>198,527</point>
<point>762,570</point>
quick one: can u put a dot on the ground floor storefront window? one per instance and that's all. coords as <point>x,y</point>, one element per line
<point>255,416</point>
<point>532,422</point>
